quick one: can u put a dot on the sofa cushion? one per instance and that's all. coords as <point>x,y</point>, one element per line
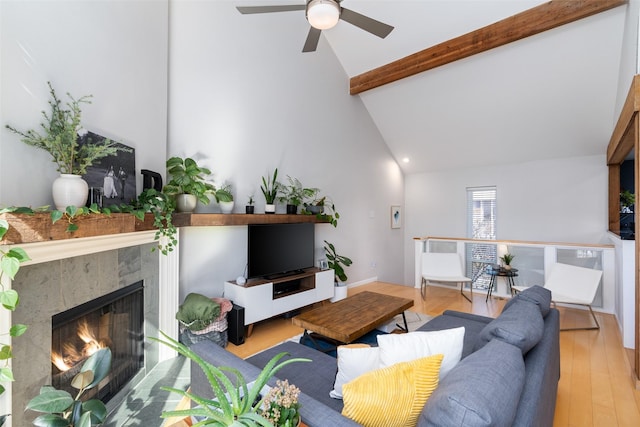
<point>535,294</point>
<point>521,325</point>
<point>396,348</point>
<point>353,361</point>
<point>314,378</point>
<point>449,319</point>
<point>483,390</point>
<point>392,396</point>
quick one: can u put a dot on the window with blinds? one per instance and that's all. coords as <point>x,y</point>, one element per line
<point>481,224</point>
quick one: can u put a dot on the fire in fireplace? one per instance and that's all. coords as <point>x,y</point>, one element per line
<point>115,320</point>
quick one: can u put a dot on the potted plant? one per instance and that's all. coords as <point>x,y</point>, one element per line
<point>506,260</point>
<point>162,208</point>
<point>280,406</point>
<point>270,188</point>
<point>224,197</point>
<point>249,208</point>
<point>59,408</point>
<point>323,208</point>
<point>235,403</point>
<point>338,264</point>
<point>627,199</point>
<point>60,139</point>
<point>294,194</point>
<point>188,184</point>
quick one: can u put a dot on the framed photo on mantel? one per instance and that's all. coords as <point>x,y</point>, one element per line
<point>396,217</point>
<point>112,179</point>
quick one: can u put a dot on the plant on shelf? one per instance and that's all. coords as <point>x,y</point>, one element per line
<point>336,262</point>
<point>60,133</point>
<point>60,409</point>
<point>235,403</point>
<point>224,197</point>
<point>506,260</point>
<point>60,137</point>
<point>324,209</point>
<point>270,188</point>
<point>627,199</point>
<point>10,261</point>
<point>249,208</point>
<point>280,406</point>
<point>162,207</point>
<point>187,178</point>
<point>294,194</point>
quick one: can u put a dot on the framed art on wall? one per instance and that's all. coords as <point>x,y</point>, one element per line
<point>396,217</point>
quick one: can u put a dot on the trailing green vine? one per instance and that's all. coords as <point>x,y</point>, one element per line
<point>10,261</point>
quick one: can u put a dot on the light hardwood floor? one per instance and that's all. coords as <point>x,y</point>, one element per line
<point>595,388</point>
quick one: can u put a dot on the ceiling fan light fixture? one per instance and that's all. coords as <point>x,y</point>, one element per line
<point>323,14</point>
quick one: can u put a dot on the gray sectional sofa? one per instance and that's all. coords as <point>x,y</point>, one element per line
<point>508,374</point>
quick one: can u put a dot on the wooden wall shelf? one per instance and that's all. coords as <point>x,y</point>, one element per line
<point>206,219</point>
<point>38,227</point>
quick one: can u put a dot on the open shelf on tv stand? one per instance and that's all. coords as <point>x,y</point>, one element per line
<point>263,298</point>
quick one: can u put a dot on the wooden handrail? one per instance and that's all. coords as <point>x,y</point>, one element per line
<point>517,242</point>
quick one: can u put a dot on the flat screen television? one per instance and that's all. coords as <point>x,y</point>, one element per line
<point>276,250</point>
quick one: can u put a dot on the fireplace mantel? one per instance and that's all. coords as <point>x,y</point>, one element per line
<point>25,228</point>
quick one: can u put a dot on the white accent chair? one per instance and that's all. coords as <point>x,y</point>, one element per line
<point>444,268</point>
<point>570,284</point>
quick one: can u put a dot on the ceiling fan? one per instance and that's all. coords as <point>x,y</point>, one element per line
<point>322,15</point>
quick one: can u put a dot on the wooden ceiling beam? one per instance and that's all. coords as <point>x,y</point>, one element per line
<point>528,23</point>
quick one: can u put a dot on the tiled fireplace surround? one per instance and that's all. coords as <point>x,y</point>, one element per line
<point>65,274</point>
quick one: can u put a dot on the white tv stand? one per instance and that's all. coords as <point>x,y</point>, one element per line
<point>263,299</point>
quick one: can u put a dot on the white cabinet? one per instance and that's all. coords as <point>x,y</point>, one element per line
<point>262,299</point>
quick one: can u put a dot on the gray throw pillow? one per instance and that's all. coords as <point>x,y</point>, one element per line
<point>521,325</point>
<point>535,294</point>
<point>482,390</point>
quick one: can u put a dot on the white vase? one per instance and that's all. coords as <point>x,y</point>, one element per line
<point>69,190</point>
<point>269,208</point>
<point>226,207</point>
<point>186,202</point>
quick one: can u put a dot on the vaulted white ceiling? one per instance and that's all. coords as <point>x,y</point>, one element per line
<point>550,95</point>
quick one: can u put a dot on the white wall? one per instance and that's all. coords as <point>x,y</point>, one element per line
<point>245,100</point>
<point>113,50</point>
<point>557,200</point>
<point>629,59</point>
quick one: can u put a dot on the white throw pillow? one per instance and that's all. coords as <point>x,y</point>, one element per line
<point>353,361</point>
<point>396,348</point>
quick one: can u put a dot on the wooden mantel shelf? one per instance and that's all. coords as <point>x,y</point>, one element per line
<point>211,219</point>
<point>38,227</point>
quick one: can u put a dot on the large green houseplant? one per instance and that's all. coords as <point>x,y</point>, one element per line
<point>235,403</point>
<point>59,137</point>
<point>187,178</point>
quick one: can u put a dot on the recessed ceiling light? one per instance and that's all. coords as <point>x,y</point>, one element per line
<point>405,160</point>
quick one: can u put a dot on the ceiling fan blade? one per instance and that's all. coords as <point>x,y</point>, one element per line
<point>268,9</point>
<point>312,40</point>
<point>377,28</point>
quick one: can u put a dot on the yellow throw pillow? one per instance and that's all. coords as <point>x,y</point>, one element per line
<point>392,396</point>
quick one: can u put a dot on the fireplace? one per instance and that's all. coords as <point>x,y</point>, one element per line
<point>50,287</point>
<point>116,321</point>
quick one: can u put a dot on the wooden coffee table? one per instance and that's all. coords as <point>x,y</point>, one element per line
<point>349,319</point>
